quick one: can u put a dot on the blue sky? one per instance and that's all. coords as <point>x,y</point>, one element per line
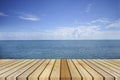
<point>59,19</point>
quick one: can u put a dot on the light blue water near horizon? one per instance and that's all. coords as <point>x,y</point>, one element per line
<point>57,49</point>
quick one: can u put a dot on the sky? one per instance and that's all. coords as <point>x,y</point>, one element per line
<point>59,19</point>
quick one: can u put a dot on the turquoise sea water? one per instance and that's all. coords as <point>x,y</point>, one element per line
<point>39,49</point>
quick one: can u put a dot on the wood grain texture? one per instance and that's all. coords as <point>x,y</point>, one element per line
<point>65,74</point>
<point>55,74</point>
<point>20,71</point>
<point>38,71</point>
<point>59,69</point>
<point>106,75</point>
<point>83,72</point>
<point>108,70</point>
<point>46,73</point>
<point>29,71</point>
<point>73,71</point>
<point>94,73</point>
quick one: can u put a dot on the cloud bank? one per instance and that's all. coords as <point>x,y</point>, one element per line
<point>67,33</point>
<point>88,32</point>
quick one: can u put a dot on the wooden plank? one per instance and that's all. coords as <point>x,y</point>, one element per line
<point>11,66</point>
<point>24,75</point>
<point>20,71</point>
<point>55,74</point>
<point>4,75</point>
<point>74,72</point>
<point>97,63</point>
<point>111,66</point>
<point>118,60</point>
<point>94,74</point>
<point>100,71</point>
<point>65,74</point>
<point>46,73</point>
<point>3,63</point>
<point>4,60</point>
<point>95,69</point>
<point>85,75</point>
<point>114,63</point>
<point>38,71</point>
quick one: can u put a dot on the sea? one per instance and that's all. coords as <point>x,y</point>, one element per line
<point>59,49</point>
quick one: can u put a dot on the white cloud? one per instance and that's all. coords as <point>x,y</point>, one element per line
<point>63,33</point>
<point>88,8</point>
<point>29,17</point>
<point>114,24</point>
<point>92,31</point>
<point>101,20</point>
<point>3,14</point>
<point>75,32</point>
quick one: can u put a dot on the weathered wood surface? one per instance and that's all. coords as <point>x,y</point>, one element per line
<point>59,69</point>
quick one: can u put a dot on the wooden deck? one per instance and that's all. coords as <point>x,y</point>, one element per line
<point>60,69</point>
